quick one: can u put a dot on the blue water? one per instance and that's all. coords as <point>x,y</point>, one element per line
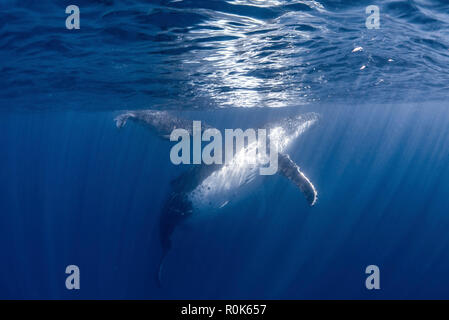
<point>75,190</point>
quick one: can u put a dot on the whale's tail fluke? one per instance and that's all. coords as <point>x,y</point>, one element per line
<point>161,268</point>
<point>176,209</point>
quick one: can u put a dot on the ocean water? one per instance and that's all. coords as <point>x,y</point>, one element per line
<point>76,190</point>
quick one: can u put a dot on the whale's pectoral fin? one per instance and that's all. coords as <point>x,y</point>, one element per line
<point>290,170</point>
<point>120,120</point>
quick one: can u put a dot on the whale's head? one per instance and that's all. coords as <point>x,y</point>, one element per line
<point>121,120</point>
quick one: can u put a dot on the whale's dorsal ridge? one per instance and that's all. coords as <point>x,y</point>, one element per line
<point>161,122</point>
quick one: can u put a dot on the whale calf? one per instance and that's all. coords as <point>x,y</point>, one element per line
<point>202,188</point>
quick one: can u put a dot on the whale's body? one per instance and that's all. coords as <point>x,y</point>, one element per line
<point>205,188</point>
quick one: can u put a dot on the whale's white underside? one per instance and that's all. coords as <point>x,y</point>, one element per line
<point>233,179</point>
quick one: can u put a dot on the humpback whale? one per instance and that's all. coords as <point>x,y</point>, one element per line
<point>202,188</point>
